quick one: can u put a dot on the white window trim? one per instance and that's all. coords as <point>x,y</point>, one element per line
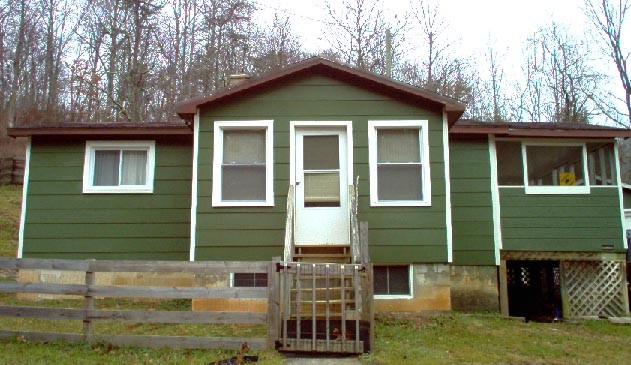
<point>533,189</point>
<point>220,126</point>
<point>373,125</point>
<point>88,167</point>
<point>399,296</point>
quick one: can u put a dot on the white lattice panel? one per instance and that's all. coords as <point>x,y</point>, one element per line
<point>595,288</point>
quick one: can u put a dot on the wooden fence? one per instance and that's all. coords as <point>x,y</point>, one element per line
<point>89,291</point>
<point>12,170</point>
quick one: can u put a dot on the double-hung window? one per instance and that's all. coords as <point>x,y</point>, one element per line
<point>399,163</point>
<point>242,163</point>
<point>119,167</point>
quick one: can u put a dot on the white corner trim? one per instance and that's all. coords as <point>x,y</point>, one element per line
<point>89,160</point>
<point>194,186</point>
<point>27,164</point>
<point>219,127</point>
<point>450,249</point>
<point>495,199</point>
<point>373,125</point>
<point>318,125</point>
<point>620,195</point>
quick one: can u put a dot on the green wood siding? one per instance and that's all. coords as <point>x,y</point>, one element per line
<point>62,222</point>
<point>471,203</point>
<point>397,234</point>
<point>561,222</point>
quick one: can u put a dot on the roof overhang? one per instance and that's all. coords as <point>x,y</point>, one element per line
<point>103,129</point>
<point>319,65</point>
<point>466,128</point>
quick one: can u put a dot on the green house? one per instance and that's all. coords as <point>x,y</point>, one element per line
<point>520,217</point>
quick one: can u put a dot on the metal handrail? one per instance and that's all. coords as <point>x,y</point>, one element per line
<point>289,226</point>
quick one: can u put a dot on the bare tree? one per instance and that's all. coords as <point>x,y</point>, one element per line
<point>559,84</point>
<point>607,17</point>
<point>440,69</point>
<point>275,46</point>
<point>358,35</point>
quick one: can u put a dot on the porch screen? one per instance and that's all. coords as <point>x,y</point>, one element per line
<point>120,167</point>
<point>601,164</point>
<point>399,167</point>
<point>555,165</point>
<point>243,167</point>
<point>321,166</point>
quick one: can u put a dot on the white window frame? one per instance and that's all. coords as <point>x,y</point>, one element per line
<point>220,126</point>
<point>88,166</point>
<point>536,189</point>
<point>373,126</point>
<point>399,296</point>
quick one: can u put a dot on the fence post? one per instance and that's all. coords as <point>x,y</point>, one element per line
<point>273,304</point>
<point>14,167</point>
<point>88,304</point>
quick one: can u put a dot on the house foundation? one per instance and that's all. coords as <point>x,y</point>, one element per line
<point>474,288</point>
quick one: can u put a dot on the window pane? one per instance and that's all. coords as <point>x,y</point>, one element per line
<point>244,146</point>
<point>249,280</point>
<point>392,280</point>
<point>322,189</point>
<point>399,182</point>
<point>134,169</point>
<point>399,280</point>
<point>106,168</point>
<point>321,152</point>
<point>601,164</point>
<point>398,145</point>
<point>509,163</point>
<point>380,279</point>
<point>555,165</point>
<point>243,182</point>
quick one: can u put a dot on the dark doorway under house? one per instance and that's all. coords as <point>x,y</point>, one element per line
<point>534,290</point>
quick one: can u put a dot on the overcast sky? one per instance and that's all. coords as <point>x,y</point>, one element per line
<point>505,24</point>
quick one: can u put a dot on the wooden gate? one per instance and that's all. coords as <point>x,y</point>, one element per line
<point>325,307</point>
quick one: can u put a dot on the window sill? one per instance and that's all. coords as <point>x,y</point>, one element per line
<point>380,296</point>
<point>242,204</point>
<point>401,203</point>
<point>557,190</point>
<point>125,190</point>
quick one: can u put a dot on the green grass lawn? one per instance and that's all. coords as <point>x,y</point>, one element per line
<point>10,206</point>
<point>445,339</point>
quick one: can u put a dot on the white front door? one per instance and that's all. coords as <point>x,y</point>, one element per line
<point>321,172</point>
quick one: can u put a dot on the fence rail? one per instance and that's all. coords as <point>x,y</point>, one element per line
<point>89,290</point>
<point>12,170</point>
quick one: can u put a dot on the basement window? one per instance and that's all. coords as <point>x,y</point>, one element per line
<point>392,281</point>
<point>119,167</point>
<point>248,280</point>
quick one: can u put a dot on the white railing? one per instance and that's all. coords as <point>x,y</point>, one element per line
<point>289,226</point>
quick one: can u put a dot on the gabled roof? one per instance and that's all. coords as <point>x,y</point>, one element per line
<point>536,130</point>
<point>319,65</point>
<point>103,129</point>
